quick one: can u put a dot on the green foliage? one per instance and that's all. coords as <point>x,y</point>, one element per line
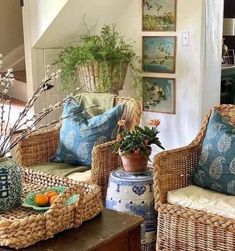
<point>108,49</point>
<point>138,140</point>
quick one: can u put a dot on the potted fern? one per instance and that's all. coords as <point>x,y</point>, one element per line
<point>99,61</point>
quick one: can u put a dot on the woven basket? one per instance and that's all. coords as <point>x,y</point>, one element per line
<point>92,77</point>
<point>23,227</point>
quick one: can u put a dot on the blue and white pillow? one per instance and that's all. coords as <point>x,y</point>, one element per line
<point>78,135</point>
<point>216,169</point>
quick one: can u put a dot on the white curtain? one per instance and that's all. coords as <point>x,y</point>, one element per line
<point>211,58</point>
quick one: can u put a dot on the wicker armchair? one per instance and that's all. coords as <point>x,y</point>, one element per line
<point>181,228</point>
<point>39,147</point>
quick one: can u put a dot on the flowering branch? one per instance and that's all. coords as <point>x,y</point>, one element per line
<point>25,133</point>
<point>6,82</point>
<point>22,122</point>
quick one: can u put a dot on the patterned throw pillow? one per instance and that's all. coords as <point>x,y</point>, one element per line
<point>216,168</point>
<point>78,135</point>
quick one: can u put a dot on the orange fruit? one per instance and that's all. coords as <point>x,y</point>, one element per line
<point>53,198</point>
<point>41,200</point>
<point>50,193</point>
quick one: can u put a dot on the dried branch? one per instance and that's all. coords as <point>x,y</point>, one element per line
<point>29,130</point>
<point>22,122</point>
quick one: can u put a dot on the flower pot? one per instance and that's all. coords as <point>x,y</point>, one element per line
<point>134,162</point>
<point>10,184</point>
<point>95,77</point>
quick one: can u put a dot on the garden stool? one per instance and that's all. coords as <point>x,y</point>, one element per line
<point>128,192</point>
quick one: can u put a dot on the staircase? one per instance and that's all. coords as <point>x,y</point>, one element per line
<point>20,76</point>
<point>15,59</point>
<point>12,46</point>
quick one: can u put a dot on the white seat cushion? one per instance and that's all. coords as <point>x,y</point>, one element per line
<point>203,199</point>
<point>80,176</point>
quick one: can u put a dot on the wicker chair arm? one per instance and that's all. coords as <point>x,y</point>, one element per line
<point>197,216</point>
<point>38,147</point>
<point>104,161</point>
<point>172,170</point>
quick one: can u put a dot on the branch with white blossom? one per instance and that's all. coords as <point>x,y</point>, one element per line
<point>23,123</point>
<point>28,131</point>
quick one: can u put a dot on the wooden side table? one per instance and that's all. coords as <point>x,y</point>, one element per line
<point>109,231</point>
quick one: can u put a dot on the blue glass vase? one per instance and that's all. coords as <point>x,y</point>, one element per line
<point>10,184</point>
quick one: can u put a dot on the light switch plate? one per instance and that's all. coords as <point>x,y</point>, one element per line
<point>185,39</point>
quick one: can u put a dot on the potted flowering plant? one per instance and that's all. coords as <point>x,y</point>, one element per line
<point>134,147</point>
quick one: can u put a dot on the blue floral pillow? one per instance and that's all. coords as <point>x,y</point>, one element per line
<point>79,135</point>
<point>216,168</point>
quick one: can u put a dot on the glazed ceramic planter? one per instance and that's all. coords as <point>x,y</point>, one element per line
<point>128,192</point>
<point>10,184</point>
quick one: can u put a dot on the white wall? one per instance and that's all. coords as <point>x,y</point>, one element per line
<point>11,28</point>
<point>19,91</point>
<point>42,58</point>
<point>175,130</point>
<point>179,129</point>
<point>74,17</point>
<point>37,16</point>
<point>42,13</point>
<point>54,23</point>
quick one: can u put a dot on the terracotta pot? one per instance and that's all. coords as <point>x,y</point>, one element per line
<point>134,162</point>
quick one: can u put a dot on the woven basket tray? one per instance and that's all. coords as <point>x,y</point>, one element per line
<point>23,227</point>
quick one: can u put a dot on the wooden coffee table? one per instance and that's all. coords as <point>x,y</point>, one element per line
<point>109,231</point>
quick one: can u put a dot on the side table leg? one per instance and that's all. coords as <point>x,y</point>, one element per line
<point>135,239</point>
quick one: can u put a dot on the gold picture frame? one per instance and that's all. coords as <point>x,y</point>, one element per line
<point>159,95</point>
<point>159,54</point>
<point>159,15</point>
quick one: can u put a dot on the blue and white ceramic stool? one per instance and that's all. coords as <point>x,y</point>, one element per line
<point>133,193</point>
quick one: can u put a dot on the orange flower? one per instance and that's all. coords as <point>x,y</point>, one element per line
<point>122,122</point>
<point>119,137</point>
<point>154,122</point>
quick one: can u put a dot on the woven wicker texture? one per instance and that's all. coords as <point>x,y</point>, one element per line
<point>23,227</point>
<point>90,76</point>
<point>40,147</point>
<point>182,228</point>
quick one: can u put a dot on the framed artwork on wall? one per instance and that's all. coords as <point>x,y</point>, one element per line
<point>159,95</point>
<point>159,15</point>
<point>159,53</point>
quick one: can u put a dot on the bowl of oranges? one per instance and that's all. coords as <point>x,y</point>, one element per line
<point>43,199</point>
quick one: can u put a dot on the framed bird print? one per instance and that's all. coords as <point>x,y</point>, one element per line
<point>159,54</point>
<point>159,95</point>
<point>159,15</point>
